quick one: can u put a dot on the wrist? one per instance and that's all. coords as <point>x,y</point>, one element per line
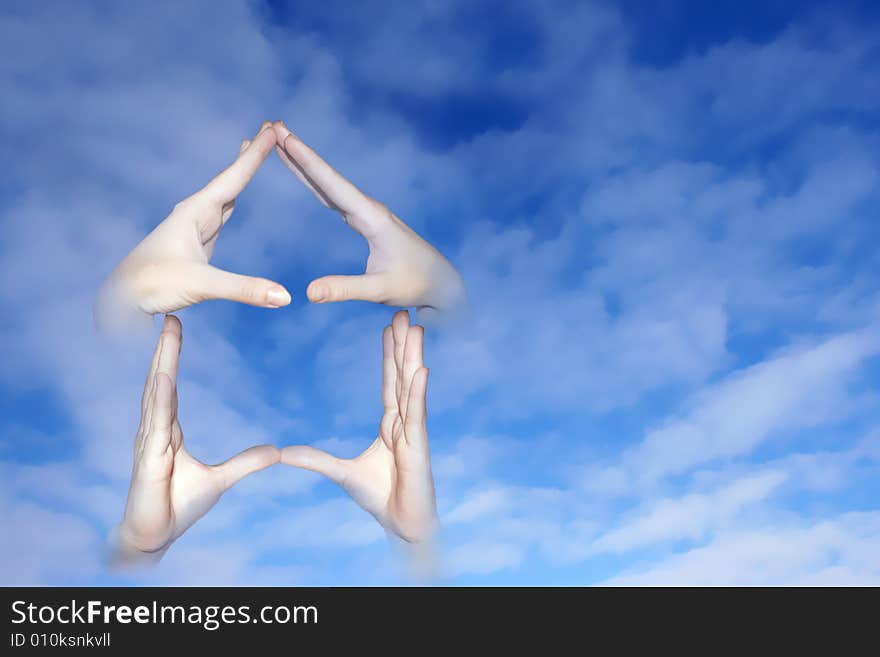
<point>420,549</point>
<point>116,314</point>
<point>125,553</point>
<point>449,303</point>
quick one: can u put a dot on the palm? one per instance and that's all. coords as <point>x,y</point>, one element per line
<point>165,272</point>
<point>169,269</point>
<point>170,489</point>
<point>411,271</point>
<point>372,479</point>
<point>392,478</point>
<point>190,487</point>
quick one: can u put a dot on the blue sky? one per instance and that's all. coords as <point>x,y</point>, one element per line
<point>666,216</point>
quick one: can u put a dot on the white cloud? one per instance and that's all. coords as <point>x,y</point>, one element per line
<point>689,517</point>
<point>624,246</point>
<point>42,546</point>
<point>481,558</point>
<point>478,505</point>
<point>801,388</point>
<point>842,551</point>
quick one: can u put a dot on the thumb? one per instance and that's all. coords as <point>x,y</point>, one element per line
<point>254,291</point>
<point>247,462</point>
<point>367,287</point>
<point>158,437</point>
<point>316,460</point>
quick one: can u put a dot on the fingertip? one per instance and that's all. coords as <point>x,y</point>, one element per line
<point>317,292</point>
<point>277,297</point>
<point>294,455</point>
<point>266,125</point>
<point>269,454</point>
<point>400,325</point>
<point>171,334</point>
<point>282,131</point>
<point>286,455</point>
<point>415,344</point>
<point>264,143</point>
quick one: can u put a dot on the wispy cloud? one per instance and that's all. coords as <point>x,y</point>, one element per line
<point>669,373</point>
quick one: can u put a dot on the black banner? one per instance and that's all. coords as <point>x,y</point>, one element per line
<point>122,619</point>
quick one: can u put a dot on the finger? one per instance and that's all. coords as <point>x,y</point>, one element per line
<point>316,460</point>
<point>247,462</point>
<point>169,341</point>
<point>230,182</point>
<point>230,205</point>
<point>389,371</point>
<point>226,211</point>
<point>399,329</point>
<point>412,360</point>
<point>216,283</point>
<point>322,178</point>
<point>294,168</point>
<point>159,435</point>
<point>147,396</point>
<point>415,425</point>
<point>172,340</point>
<point>366,287</point>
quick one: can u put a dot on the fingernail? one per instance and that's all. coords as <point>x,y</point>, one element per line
<point>319,293</point>
<point>288,131</point>
<point>277,297</point>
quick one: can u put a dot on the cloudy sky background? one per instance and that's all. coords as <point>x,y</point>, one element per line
<point>666,218</point>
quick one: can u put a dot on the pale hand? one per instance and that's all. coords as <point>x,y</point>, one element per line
<point>170,490</point>
<point>402,269</point>
<point>392,478</point>
<point>169,269</point>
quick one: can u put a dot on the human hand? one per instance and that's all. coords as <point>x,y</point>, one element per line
<point>170,490</point>
<point>392,478</point>
<point>169,269</point>
<point>402,268</point>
